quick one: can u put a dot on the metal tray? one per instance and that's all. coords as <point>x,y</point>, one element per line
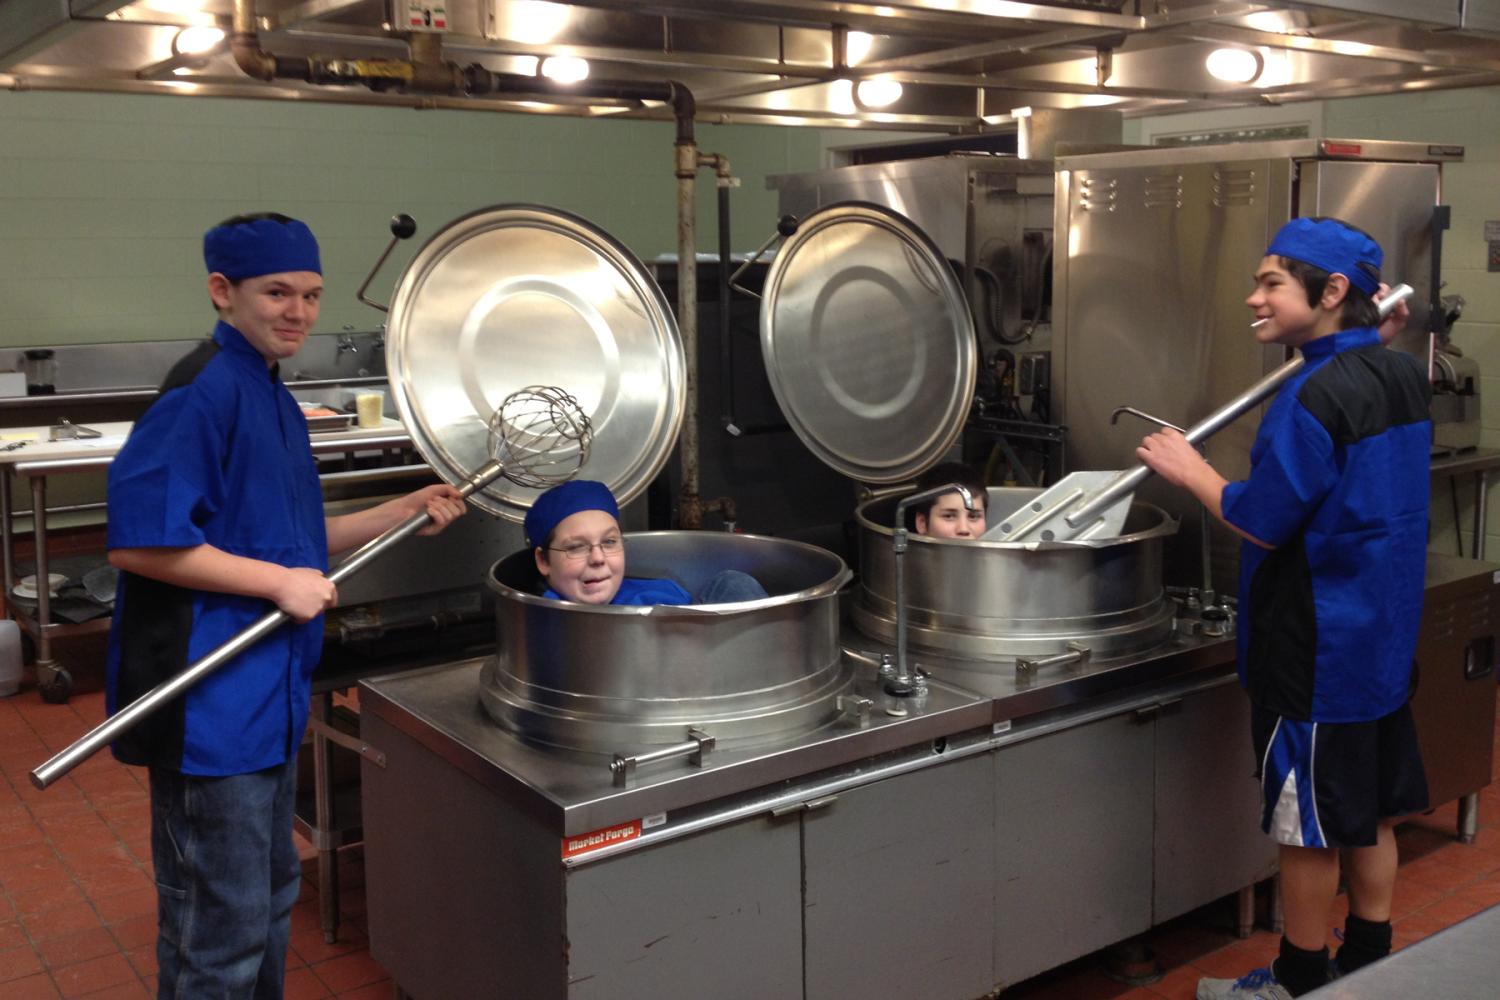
<point>331,422</point>
<point>518,295</point>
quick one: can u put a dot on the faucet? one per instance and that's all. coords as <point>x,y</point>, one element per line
<point>346,342</point>
<point>904,684</point>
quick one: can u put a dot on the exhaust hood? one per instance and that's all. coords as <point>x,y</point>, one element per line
<point>960,64</point>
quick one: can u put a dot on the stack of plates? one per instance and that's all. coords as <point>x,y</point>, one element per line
<point>26,588</point>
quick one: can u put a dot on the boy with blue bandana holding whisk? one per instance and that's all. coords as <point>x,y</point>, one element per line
<point>1334,517</point>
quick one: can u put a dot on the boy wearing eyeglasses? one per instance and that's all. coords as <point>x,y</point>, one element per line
<point>574,531</point>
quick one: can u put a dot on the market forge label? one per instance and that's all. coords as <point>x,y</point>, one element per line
<point>585,843</point>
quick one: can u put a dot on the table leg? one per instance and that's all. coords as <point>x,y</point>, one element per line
<point>1468,817</point>
<point>1245,911</point>
<point>323,808</point>
<point>7,534</point>
<point>1481,500</point>
<point>43,592</point>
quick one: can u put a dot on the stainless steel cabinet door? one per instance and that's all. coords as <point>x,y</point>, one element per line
<point>899,896</point>
<point>1208,838</point>
<point>1073,844</point>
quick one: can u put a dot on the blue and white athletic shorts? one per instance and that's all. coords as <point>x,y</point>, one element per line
<point>1329,784</point>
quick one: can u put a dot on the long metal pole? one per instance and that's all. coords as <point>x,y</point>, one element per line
<point>131,715</point>
<point>1126,482</point>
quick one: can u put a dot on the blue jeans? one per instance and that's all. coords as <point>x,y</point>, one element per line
<point>227,875</point>
<point>729,586</point>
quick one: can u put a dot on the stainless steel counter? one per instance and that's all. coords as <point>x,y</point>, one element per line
<point>1457,962</point>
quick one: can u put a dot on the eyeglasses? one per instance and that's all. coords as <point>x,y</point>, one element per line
<point>580,549</point>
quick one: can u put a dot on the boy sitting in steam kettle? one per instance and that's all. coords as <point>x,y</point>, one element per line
<point>1334,517</point>
<point>946,516</point>
<point>574,532</point>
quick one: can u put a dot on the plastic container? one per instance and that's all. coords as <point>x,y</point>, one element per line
<point>10,658</point>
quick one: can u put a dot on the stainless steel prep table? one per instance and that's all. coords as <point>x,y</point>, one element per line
<point>37,459</point>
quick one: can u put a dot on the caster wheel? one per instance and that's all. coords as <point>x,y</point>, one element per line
<point>59,689</point>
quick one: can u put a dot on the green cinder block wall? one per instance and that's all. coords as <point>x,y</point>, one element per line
<point>104,197</point>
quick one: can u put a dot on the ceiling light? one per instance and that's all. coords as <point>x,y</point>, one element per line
<point>196,40</point>
<point>877,92</point>
<point>1234,65</point>
<point>565,69</point>
<point>532,21</point>
<point>857,46</point>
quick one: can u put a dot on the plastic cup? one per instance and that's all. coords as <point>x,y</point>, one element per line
<point>369,404</point>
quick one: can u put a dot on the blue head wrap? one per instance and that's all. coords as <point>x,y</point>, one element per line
<point>264,246</point>
<point>549,509</point>
<point>1332,246</point>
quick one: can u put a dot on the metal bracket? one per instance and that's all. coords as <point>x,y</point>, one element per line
<point>698,743</point>
<point>1115,416</point>
<point>325,731</point>
<point>1078,653</point>
<point>855,707</point>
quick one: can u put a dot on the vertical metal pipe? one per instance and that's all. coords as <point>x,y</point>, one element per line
<point>726,354</point>
<point>7,531</point>
<point>43,591</point>
<point>689,514</point>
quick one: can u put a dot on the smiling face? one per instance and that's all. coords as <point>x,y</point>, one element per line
<point>948,518</point>
<point>1280,299</point>
<point>275,312</point>
<point>576,565</point>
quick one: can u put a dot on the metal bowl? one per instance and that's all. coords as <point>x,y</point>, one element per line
<point>611,677</point>
<point>986,600</point>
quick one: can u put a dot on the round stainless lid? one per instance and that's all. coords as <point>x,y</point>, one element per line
<point>519,295</point>
<point>868,342</point>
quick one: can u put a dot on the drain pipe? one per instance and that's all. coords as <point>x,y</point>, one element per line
<point>690,505</point>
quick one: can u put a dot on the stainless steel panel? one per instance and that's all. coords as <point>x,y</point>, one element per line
<point>715,915</point>
<point>899,887</point>
<point>1208,838</point>
<point>1079,794</point>
<point>1151,270</point>
<point>1481,15</point>
<point>1454,703</point>
<point>868,343</point>
<point>465,892</point>
<point>1439,12</point>
<point>1393,202</point>
<point>519,295</point>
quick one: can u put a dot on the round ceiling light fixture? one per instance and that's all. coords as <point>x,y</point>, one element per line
<point>1234,65</point>
<point>565,69</point>
<point>877,92</point>
<point>197,39</point>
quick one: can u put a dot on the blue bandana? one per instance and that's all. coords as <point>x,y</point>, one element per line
<point>265,246</point>
<point>1332,246</point>
<point>549,509</point>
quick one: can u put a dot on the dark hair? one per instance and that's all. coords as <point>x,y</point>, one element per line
<point>939,475</point>
<point>1357,309</point>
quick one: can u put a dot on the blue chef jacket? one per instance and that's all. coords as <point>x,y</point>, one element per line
<point>1339,484</point>
<point>222,458</point>
<point>641,590</point>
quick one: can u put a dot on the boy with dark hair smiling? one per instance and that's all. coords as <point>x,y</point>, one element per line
<point>1334,516</point>
<point>216,515</point>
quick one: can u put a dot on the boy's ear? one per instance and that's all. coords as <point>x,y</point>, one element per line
<point>1335,291</point>
<point>218,290</point>
<point>921,523</point>
<point>542,565</point>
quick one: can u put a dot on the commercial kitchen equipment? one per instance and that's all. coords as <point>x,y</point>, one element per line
<point>1189,225</point>
<point>558,818</point>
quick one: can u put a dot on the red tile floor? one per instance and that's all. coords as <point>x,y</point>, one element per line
<point>77,906</point>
